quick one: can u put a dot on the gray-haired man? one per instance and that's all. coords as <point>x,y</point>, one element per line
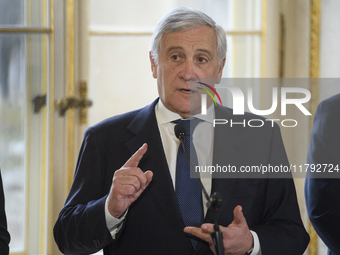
<point>124,196</point>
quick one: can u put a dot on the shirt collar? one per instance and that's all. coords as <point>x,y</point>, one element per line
<point>164,115</point>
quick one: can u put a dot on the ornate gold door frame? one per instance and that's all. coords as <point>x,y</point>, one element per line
<point>314,73</point>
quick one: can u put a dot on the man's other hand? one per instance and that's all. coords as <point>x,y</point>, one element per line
<point>237,238</point>
<point>128,183</point>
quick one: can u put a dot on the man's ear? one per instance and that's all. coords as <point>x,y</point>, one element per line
<point>153,66</point>
<point>220,70</point>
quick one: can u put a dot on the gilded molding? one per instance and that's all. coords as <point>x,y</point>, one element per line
<point>24,30</point>
<point>315,17</point>
<point>314,73</point>
<point>70,66</point>
<point>51,129</point>
<point>263,40</point>
<point>29,117</point>
<point>83,93</point>
<point>315,38</point>
<point>313,244</point>
<point>282,45</point>
<point>263,49</point>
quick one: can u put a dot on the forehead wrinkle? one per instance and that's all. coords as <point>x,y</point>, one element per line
<point>188,40</point>
<point>196,51</point>
<point>205,51</point>
<point>174,48</point>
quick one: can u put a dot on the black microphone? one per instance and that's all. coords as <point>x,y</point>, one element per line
<point>180,132</point>
<point>214,201</point>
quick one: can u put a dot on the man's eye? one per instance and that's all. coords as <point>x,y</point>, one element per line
<point>202,60</point>
<point>175,57</point>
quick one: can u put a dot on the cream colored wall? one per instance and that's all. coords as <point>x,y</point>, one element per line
<point>296,65</point>
<point>330,37</point>
<point>121,80</point>
<point>329,48</point>
<point>296,14</point>
<point>120,77</point>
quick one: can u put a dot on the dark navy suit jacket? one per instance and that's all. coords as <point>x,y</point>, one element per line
<point>323,194</point>
<point>153,224</point>
<point>4,235</point>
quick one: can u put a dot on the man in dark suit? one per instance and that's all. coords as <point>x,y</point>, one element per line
<point>322,189</point>
<point>123,197</point>
<point>4,235</point>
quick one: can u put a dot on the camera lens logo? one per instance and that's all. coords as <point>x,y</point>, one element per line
<point>208,92</point>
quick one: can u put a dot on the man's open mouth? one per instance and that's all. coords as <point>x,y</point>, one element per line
<point>188,91</point>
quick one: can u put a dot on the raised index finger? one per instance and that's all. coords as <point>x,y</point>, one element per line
<point>133,161</point>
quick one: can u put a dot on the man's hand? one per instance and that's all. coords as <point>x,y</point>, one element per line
<point>237,238</point>
<point>128,183</point>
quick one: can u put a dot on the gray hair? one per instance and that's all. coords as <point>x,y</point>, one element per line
<point>183,18</point>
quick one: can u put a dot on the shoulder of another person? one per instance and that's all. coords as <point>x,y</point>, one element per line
<point>331,104</point>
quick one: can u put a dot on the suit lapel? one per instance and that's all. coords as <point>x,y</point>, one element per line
<point>229,149</point>
<point>145,128</point>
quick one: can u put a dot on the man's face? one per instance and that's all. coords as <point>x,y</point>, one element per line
<point>183,56</point>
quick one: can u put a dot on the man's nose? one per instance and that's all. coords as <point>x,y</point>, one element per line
<point>188,71</point>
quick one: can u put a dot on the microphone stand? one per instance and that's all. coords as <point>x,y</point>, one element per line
<point>216,237</point>
<point>214,201</point>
